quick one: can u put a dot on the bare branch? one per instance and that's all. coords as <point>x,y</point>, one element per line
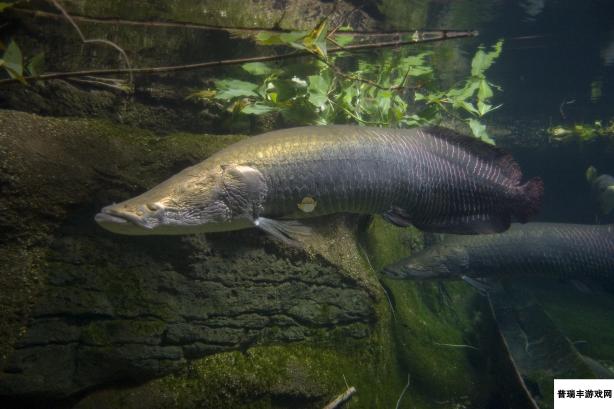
<point>341,399</point>
<point>403,392</point>
<point>196,26</point>
<point>442,36</point>
<point>93,40</point>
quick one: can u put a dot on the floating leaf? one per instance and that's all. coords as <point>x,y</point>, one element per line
<point>257,68</point>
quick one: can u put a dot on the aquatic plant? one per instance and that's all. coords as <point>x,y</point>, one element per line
<point>13,62</point>
<point>390,89</point>
<point>582,132</point>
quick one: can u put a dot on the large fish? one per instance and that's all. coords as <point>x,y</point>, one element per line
<point>558,250</point>
<point>436,179</point>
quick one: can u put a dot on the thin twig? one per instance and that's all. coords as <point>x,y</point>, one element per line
<point>114,86</point>
<point>341,399</point>
<point>403,392</point>
<point>196,26</point>
<point>456,345</point>
<point>445,35</point>
<point>93,40</point>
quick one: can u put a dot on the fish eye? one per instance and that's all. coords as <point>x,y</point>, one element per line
<point>152,207</point>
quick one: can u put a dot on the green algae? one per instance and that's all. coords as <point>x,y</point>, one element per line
<point>432,326</point>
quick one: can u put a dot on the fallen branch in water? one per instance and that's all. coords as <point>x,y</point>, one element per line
<point>196,26</point>
<point>418,37</point>
<point>341,399</point>
<point>91,40</point>
<point>403,392</point>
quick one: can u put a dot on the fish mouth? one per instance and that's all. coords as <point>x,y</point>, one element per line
<point>109,216</point>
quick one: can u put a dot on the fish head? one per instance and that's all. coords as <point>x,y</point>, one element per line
<point>437,262</point>
<point>195,200</point>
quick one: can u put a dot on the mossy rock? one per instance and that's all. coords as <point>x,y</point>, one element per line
<point>227,320</point>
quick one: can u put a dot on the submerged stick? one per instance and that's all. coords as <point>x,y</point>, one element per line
<point>403,392</point>
<point>86,40</point>
<point>197,26</point>
<point>419,37</point>
<point>341,399</point>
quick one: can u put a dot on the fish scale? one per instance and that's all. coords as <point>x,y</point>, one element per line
<point>434,178</point>
<point>376,169</point>
<point>551,249</point>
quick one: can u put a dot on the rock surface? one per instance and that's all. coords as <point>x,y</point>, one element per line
<point>116,308</point>
<point>228,320</point>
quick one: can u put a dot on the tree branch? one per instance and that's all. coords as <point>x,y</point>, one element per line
<point>341,399</point>
<point>92,40</point>
<point>424,37</point>
<point>196,26</point>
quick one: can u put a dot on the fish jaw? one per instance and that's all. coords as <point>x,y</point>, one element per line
<point>129,224</point>
<point>121,219</point>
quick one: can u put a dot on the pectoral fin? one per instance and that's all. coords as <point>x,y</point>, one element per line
<point>397,216</point>
<point>286,230</point>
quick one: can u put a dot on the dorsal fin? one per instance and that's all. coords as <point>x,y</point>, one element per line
<point>485,152</point>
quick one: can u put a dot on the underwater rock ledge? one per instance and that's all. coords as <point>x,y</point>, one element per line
<point>229,320</point>
<point>107,308</point>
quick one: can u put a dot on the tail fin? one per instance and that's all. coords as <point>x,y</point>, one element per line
<point>530,201</point>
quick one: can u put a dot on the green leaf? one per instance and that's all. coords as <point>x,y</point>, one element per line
<point>270,38</point>
<point>315,41</point>
<point>204,94</point>
<point>257,68</point>
<point>484,90</point>
<point>318,90</point>
<point>343,39</point>
<point>37,64</point>
<point>479,131</point>
<point>384,101</point>
<point>484,108</point>
<point>292,36</point>
<point>229,89</point>
<point>13,60</point>
<point>467,106</point>
<point>258,109</point>
<point>463,93</point>
<point>483,60</point>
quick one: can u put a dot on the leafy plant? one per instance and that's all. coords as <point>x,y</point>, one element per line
<point>12,60</point>
<point>582,132</point>
<point>391,89</point>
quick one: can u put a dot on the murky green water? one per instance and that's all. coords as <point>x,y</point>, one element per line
<point>266,314</point>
